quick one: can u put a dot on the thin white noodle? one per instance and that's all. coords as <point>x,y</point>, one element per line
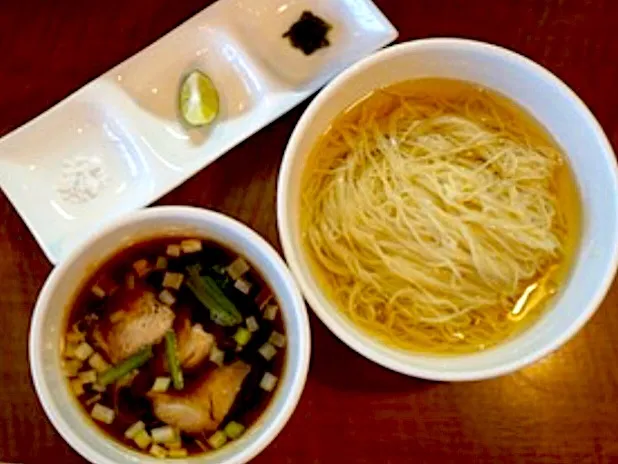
<point>429,216</point>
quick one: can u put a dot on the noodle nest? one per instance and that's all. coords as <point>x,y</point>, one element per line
<point>428,217</point>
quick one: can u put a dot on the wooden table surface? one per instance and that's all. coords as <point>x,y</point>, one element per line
<point>562,409</point>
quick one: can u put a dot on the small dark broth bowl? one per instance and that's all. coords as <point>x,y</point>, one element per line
<point>56,297</point>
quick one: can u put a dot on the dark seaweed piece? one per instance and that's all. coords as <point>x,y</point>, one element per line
<point>309,33</point>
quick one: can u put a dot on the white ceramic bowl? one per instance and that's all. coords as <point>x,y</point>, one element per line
<point>558,109</point>
<point>50,312</point>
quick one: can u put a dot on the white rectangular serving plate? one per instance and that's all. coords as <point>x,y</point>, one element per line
<point>123,128</point>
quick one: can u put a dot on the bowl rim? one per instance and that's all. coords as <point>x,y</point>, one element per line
<point>268,431</point>
<point>293,256</point>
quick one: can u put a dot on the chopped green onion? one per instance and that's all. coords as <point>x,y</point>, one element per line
<point>124,367</point>
<point>238,268</point>
<point>176,444</point>
<point>71,367</point>
<point>173,250</point>
<point>270,313</point>
<point>141,267</point>
<point>134,430</point>
<point>98,291</point>
<point>165,434</point>
<point>173,280</point>
<point>167,298</point>
<point>161,384</point>
<point>268,351</point>
<point>242,336</point>
<point>234,430</point>
<point>191,245</point>
<point>172,360</point>
<point>98,387</point>
<point>178,453</point>
<point>158,451</point>
<point>161,263</point>
<point>76,337</point>
<point>268,382</point>
<point>222,310</point>
<point>277,339</point>
<point>77,387</point>
<point>217,356</point>
<point>103,414</point>
<point>217,440</point>
<point>142,439</point>
<point>252,324</point>
<point>88,376</point>
<point>243,286</point>
<point>69,350</point>
<point>97,362</point>
<point>83,351</point>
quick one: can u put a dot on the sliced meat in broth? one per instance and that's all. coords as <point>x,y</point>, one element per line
<point>134,319</point>
<point>202,408</point>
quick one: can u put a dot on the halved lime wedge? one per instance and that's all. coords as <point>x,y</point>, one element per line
<point>198,99</point>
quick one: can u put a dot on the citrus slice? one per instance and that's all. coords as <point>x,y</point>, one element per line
<point>199,99</point>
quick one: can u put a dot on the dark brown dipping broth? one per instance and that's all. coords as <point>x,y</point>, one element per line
<point>130,402</point>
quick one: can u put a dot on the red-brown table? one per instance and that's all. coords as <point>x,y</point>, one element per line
<point>562,409</point>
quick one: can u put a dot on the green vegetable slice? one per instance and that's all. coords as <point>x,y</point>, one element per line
<point>173,362</point>
<point>222,311</point>
<point>242,336</point>
<point>124,367</point>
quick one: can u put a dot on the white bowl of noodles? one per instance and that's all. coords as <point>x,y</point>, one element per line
<point>450,233</point>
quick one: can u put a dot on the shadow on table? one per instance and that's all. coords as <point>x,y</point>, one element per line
<point>335,364</point>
